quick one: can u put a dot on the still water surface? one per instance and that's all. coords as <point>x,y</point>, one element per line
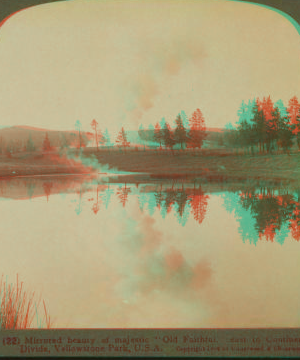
<point>107,255</point>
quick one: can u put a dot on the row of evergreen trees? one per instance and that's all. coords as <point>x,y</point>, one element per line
<point>15,146</point>
<point>186,133</point>
<point>62,141</point>
<point>265,126</point>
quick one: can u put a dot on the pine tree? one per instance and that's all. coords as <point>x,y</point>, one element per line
<point>243,126</point>
<point>294,128</point>
<point>96,205</point>
<point>294,118</point>
<point>159,198</point>
<point>244,130</point>
<point>47,189</point>
<point>182,201</point>
<point>94,125</point>
<point>197,133</point>
<point>46,143</point>
<point>78,127</point>
<point>180,134</point>
<point>281,130</point>
<point>199,203</point>
<point>122,194</point>
<point>276,119</point>
<point>101,138</point>
<point>107,138</point>
<point>162,123</point>
<point>142,200</point>
<point>151,201</point>
<point>293,110</point>
<point>30,188</point>
<point>158,135</point>
<point>79,207</point>
<point>258,104</point>
<point>295,222</point>
<point>267,108</point>
<point>170,200</point>
<point>249,110</point>
<point>282,109</point>
<point>122,139</point>
<point>168,140</point>
<point>268,111</point>
<point>259,124</point>
<point>185,120</point>
<point>182,219</point>
<point>30,144</point>
<point>242,113</point>
<point>284,134</point>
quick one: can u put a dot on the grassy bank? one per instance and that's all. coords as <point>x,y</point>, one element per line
<point>203,163</point>
<point>36,163</point>
<point>209,164</point>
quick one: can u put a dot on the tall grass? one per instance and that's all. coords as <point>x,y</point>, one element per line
<point>18,309</point>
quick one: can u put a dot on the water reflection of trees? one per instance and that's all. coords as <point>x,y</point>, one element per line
<point>262,213</point>
<point>273,214</point>
<point>181,201</point>
<point>47,186</point>
<point>122,194</point>
<point>199,202</point>
<point>272,210</point>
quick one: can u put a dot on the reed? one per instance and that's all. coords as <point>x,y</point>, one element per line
<point>19,309</point>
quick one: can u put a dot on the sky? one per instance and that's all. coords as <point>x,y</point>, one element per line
<point>126,63</point>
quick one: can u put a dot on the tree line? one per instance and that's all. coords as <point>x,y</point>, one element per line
<point>262,127</point>
<point>186,133</point>
<point>273,213</point>
<point>37,143</point>
<point>265,127</point>
<point>15,146</point>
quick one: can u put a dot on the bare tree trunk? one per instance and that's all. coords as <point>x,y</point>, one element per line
<point>96,138</point>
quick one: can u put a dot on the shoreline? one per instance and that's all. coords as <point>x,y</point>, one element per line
<point>156,166</point>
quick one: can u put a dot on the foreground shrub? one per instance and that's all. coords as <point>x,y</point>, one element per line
<point>18,309</point>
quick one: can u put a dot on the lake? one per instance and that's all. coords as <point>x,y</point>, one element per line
<point>163,254</point>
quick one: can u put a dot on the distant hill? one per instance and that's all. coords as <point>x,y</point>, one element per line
<point>16,137</point>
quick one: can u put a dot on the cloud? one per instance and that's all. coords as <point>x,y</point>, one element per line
<point>152,238</point>
<point>159,62</point>
<point>159,266</point>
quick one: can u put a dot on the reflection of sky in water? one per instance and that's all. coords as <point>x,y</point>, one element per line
<point>116,266</point>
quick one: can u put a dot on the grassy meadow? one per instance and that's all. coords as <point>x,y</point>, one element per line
<point>204,163</point>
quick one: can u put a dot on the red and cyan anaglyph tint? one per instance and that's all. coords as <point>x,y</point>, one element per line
<point>149,166</point>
